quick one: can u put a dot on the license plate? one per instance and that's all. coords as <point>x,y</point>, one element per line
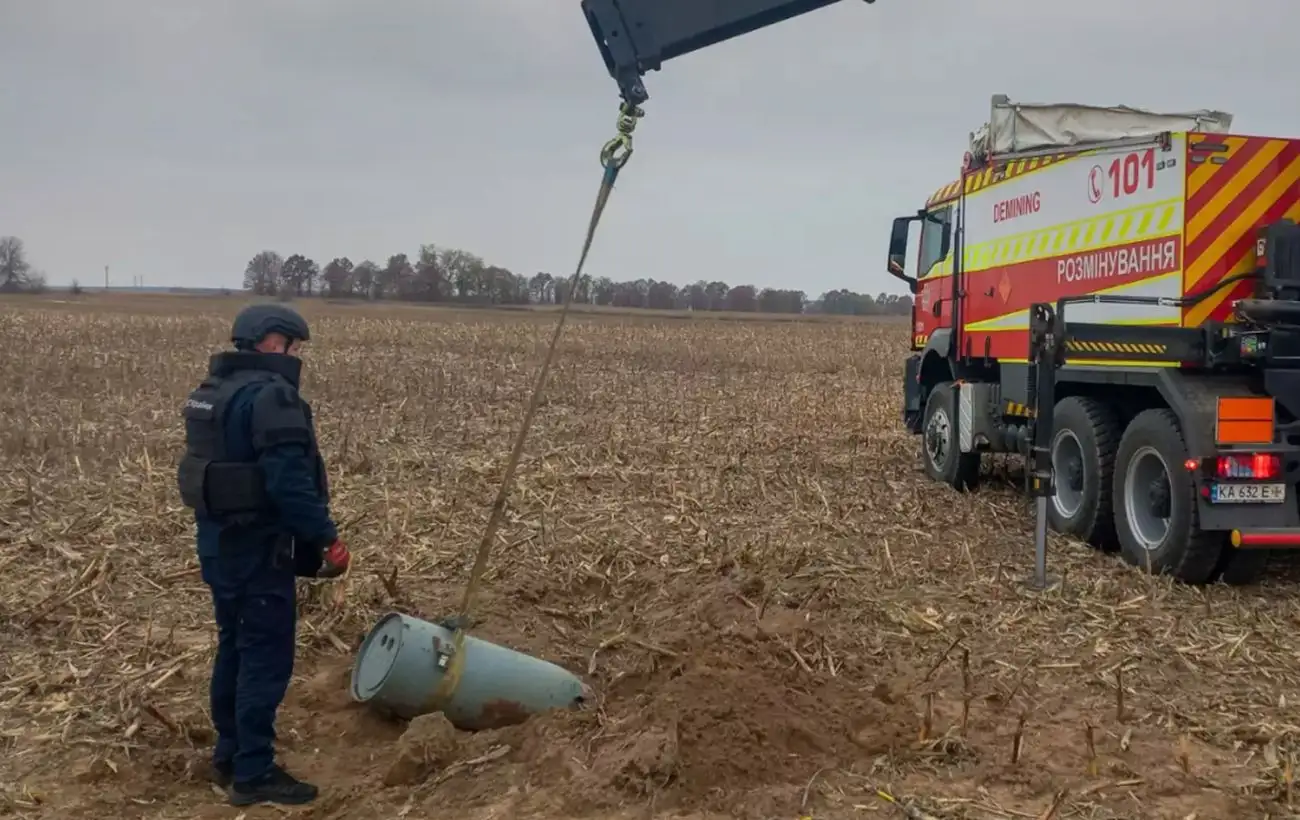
<point>1248,493</point>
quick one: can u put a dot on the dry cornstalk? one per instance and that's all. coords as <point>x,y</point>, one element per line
<point>927,720</point>
<point>1058,802</point>
<point>967,691</point>
<point>1119,693</point>
<point>1091,746</point>
<point>162,717</point>
<point>1185,754</point>
<point>1017,739</point>
<point>1288,779</point>
<point>943,657</point>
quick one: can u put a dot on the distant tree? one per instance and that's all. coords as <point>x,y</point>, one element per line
<point>365,280</point>
<point>772,300</point>
<point>75,288</point>
<point>396,277</point>
<point>465,272</point>
<point>541,288</point>
<point>717,292</point>
<point>697,296</point>
<point>742,298</point>
<point>336,278</point>
<point>15,271</point>
<point>262,275</point>
<point>603,290</point>
<point>847,303</point>
<point>631,294</point>
<point>298,276</point>
<point>430,280</point>
<point>660,295</point>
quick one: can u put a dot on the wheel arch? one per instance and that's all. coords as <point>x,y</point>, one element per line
<point>936,362</point>
<point>1130,391</point>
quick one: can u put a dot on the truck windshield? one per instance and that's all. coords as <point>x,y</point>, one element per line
<point>932,233</point>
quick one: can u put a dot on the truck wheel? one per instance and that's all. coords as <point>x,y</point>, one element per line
<point>1242,567</point>
<point>940,451</point>
<point>1083,462</point>
<point>1155,503</point>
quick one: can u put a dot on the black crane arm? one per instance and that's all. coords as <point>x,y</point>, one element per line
<point>636,36</point>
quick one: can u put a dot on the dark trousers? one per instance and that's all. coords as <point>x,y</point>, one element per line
<point>254,603</point>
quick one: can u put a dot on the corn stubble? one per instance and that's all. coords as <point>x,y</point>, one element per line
<point>720,522</point>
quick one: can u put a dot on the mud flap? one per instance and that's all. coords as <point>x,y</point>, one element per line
<point>1284,387</point>
<point>975,425</point>
<point>913,401</point>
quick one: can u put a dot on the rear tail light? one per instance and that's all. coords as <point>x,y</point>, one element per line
<point>1249,465</point>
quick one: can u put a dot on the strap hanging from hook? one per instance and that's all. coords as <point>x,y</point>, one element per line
<point>613,156</point>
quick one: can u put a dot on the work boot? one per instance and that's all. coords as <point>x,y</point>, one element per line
<point>276,786</point>
<point>222,774</point>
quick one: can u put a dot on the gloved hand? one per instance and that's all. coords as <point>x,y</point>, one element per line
<point>335,560</point>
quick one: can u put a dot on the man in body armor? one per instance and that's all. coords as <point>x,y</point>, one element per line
<point>253,475</point>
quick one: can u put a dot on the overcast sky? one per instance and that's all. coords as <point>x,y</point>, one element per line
<point>174,139</point>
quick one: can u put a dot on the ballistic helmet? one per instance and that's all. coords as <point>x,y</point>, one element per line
<point>255,322</point>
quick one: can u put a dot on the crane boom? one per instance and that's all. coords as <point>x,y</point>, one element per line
<point>636,36</point>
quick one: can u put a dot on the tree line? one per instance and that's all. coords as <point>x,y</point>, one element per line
<point>455,276</point>
<point>449,275</point>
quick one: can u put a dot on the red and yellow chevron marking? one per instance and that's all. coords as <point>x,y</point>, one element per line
<point>990,176</point>
<point>1227,204</point>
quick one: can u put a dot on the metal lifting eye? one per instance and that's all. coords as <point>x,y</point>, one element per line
<point>617,151</point>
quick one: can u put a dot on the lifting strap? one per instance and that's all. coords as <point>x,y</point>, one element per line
<point>613,156</point>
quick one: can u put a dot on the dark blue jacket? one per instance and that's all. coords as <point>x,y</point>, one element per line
<point>301,511</point>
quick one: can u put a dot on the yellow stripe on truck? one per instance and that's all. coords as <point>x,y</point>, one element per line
<point>1095,233</point>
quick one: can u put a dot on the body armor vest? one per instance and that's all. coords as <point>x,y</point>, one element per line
<point>213,484</point>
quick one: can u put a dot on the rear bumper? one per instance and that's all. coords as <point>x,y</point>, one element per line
<point>1277,538</point>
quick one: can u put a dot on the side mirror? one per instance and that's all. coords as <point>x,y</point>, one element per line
<point>898,250</point>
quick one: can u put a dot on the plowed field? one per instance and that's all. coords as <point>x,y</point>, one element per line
<point>719,524</point>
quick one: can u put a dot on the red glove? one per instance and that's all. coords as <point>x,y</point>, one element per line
<point>335,560</point>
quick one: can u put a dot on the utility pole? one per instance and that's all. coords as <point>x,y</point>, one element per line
<point>106,278</point>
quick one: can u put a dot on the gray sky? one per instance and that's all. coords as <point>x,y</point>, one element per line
<point>175,138</point>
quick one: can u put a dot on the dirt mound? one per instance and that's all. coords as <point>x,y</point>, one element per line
<point>707,718</point>
<point>729,723</point>
<point>428,743</point>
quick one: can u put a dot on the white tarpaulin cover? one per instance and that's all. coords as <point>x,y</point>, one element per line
<point>1016,127</point>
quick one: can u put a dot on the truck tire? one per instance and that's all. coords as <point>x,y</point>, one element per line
<point>1242,567</point>
<point>1155,503</point>
<point>1083,459</point>
<point>940,453</point>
